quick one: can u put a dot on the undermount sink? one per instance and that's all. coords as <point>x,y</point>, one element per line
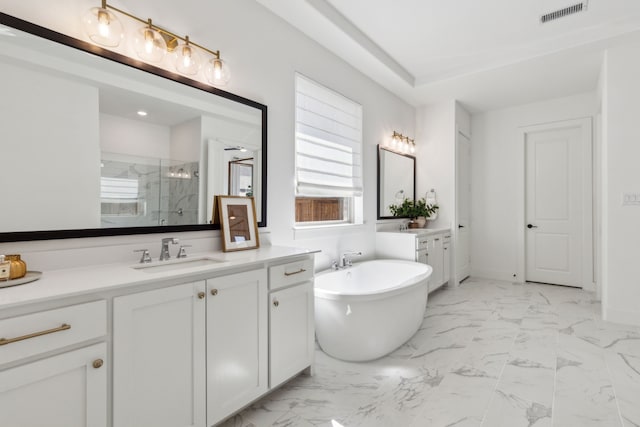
<point>161,266</point>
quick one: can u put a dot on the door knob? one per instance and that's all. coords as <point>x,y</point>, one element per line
<point>531,226</point>
<point>97,363</point>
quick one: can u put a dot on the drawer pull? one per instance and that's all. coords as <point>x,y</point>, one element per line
<point>214,292</point>
<point>302,270</point>
<point>276,303</point>
<point>63,327</point>
<point>98,363</point>
<point>201,295</point>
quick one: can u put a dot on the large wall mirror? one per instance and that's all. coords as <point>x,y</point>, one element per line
<point>98,144</point>
<point>396,180</point>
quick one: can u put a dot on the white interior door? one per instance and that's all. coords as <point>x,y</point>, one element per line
<point>554,200</point>
<point>463,207</point>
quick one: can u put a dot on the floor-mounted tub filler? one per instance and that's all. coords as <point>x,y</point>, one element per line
<point>366,311</point>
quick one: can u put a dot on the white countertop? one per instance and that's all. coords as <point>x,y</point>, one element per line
<point>94,279</point>
<point>421,231</point>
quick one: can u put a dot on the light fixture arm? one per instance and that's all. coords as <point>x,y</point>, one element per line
<point>148,22</point>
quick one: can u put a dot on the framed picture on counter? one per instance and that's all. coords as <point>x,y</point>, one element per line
<point>237,216</point>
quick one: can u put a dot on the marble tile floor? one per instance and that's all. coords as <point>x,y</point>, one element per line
<point>488,354</point>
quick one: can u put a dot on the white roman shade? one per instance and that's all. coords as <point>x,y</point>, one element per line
<point>328,142</point>
<point>118,188</point>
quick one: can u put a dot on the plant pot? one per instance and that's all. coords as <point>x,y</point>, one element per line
<point>422,221</point>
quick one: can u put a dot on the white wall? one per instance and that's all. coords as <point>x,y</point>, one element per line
<point>45,133</point>
<point>435,158</point>
<point>621,174</point>
<point>495,165</point>
<point>264,52</point>
<point>186,141</point>
<point>133,137</point>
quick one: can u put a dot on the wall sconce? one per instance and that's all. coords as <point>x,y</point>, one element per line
<point>399,142</point>
<point>151,43</point>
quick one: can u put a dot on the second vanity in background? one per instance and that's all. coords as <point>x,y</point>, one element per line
<point>427,246</point>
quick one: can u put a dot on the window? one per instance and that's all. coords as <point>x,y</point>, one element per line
<point>328,156</point>
<point>119,196</point>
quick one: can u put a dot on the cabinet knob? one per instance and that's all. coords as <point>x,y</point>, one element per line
<point>201,295</point>
<point>98,363</point>
<point>214,292</point>
<point>276,303</point>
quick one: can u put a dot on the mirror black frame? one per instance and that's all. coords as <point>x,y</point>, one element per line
<point>378,181</point>
<point>46,33</point>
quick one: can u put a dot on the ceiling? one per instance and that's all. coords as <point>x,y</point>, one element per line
<point>487,54</point>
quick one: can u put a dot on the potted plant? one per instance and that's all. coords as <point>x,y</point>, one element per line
<point>417,210</point>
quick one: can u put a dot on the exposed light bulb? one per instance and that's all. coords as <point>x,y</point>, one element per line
<point>103,23</point>
<point>187,61</point>
<point>149,43</point>
<point>217,72</point>
<point>103,27</point>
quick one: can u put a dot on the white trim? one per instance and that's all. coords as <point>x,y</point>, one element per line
<point>585,123</point>
<point>492,275</point>
<point>621,316</point>
<point>329,230</point>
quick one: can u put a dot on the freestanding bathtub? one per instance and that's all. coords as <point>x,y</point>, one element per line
<point>366,311</point>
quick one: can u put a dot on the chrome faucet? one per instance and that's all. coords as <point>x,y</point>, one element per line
<point>164,252</point>
<point>345,260</point>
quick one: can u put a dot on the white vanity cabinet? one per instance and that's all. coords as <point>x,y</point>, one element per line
<point>159,357</point>
<point>236,342</point>
<point>184,348</point>
<point>421,245</point>
<point>291,320</point>
<point>64,384</point>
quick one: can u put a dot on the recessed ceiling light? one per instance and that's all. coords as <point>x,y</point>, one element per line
<point>142,113</point>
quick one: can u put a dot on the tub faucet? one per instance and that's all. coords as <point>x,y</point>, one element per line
<point>345,259</point>
<point>164,252</point>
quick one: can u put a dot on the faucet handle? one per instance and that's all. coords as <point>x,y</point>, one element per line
<point>145,255</point>
<point>168,240</point>
<point>182,253</point>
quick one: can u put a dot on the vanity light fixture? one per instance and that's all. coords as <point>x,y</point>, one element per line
<point>402,143</point>
<point>180,173</point>
<point>152,43</point>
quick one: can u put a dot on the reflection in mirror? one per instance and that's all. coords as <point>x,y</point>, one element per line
<point>396,180</point>
<point>96,145</point>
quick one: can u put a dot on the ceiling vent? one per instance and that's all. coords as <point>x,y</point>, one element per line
<point>561,13</point>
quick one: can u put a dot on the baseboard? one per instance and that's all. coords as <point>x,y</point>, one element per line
<point>621,316</point>
<point>493,274</point>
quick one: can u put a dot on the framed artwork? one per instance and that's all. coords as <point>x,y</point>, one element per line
<point>238,227</point>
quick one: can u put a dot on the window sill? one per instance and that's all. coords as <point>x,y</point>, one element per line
<point>301,232</point>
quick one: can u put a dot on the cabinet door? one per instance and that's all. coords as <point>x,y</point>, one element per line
<point>446,262</point>
<point>159,357</point>
<point>435,261</point>
<point>291,332</point>
<point>236,342</point>
<point>60,391</point>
